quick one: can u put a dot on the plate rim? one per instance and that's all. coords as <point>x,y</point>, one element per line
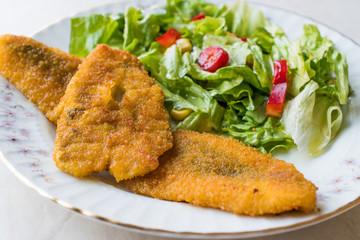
<point>160,232</point>
<point>168,233</point>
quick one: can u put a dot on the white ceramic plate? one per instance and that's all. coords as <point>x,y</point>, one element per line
<point>27,140</point>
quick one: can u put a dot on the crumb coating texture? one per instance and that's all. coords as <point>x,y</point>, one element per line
<point>219,172</point>
<point>112,118</point>
<point>40,72</point>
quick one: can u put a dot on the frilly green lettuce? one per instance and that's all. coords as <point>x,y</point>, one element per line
<point>325,62</point>
<point>243,20</point>
<point>87,32</point>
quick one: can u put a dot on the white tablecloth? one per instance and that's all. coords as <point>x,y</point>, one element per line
<point>24,214</point>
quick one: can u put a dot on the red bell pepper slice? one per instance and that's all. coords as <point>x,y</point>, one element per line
<point>280,70</point>
<point>198,17</point>
<point>276,100</point>
<point>169,38</point>
<point>213,58</point>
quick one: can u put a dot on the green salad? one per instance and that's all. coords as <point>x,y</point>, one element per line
<point>233,99</point>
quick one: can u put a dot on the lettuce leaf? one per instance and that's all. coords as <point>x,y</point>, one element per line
<point>130,31</point>
<point>203,121</point>
<point>263,39</point>
<point>226,73</point>
<point>243,20</point>
<point>297,116</point>
<point>325,62</point>
<point>311,120</point>
<point>313,44</point>
<point>340,68</point>
<point>175,64</point>
<point>262,66</point>
<point>139,31</point>
<point>268,137</point>
<point>87,32</point>
<point>179,11</point>
<point>327,119</point>
<point>196,30</point>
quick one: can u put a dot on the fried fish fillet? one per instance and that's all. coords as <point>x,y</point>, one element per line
<point>40,72</point>
<point>113,118</point>
<point>219,172</point>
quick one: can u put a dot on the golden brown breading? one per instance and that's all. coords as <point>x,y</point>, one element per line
<point>113,118</point>
<point>40,72</point>
<point>213,171</point>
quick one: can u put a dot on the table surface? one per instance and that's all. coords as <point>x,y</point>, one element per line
<point>27,215</point>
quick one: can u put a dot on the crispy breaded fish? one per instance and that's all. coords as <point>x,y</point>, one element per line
<point>40,72</point>
<point>219,172</point>
<point>113,118</point>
